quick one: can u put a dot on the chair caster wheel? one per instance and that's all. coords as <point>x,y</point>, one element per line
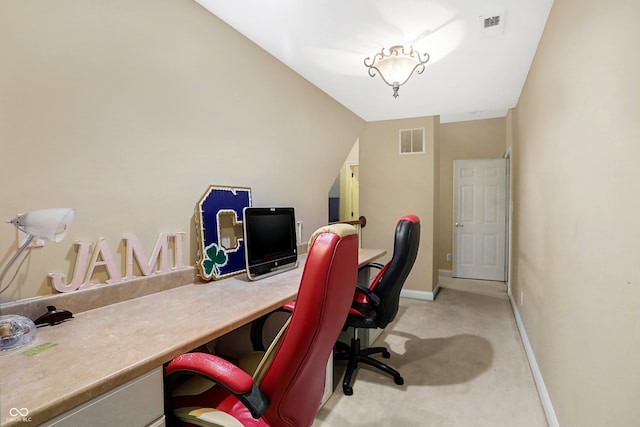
<point>399,380</point>
<point>348,391</point>
<point>386,354</point>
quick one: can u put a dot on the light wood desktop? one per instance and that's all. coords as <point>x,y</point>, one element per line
<point>102,349</point>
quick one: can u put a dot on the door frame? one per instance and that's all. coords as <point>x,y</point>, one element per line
<point>507,254</point>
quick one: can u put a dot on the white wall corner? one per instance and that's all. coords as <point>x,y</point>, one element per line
<point>549,412</point>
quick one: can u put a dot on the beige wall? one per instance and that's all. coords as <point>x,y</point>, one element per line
<point>394,185</point>
<point>129,110</point>
<point>477,139</point>
<point>576,248</point>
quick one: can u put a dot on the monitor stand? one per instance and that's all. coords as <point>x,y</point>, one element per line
<point>272,272</point>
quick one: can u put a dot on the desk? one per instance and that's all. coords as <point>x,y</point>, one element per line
<point>104,348</point>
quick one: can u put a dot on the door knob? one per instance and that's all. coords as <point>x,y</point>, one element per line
<point>459,225</point>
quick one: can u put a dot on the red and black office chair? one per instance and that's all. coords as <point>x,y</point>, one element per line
<point>286,388</point>
<point>376,305</point>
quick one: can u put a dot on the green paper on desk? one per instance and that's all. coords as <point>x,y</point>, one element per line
<point>39,348</point>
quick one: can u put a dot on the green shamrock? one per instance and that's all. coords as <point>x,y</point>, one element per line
<point>214,258</point>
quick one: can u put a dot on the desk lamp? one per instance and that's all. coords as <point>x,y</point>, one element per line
<point>49,224</point>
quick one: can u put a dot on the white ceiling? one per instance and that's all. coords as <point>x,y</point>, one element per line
<point>473,73</point>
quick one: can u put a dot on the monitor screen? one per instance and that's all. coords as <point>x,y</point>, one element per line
<point>269,241</point>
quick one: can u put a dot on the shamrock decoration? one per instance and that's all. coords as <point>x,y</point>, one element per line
<point>214,258</point>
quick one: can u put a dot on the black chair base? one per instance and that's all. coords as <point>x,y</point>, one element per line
<point>354,354</point>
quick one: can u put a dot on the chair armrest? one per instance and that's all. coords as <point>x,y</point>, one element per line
<point>375,299</point>
<point>371,265</point>
<point>225,374</point>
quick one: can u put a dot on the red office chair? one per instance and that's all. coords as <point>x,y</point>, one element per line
<point>377,305</point>
<point>286,388</point>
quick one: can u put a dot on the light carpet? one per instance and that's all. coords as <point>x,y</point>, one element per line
<point>463,364</point>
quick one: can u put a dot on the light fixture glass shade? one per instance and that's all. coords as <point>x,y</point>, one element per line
<point>51,224</point>
<point>396,66</point>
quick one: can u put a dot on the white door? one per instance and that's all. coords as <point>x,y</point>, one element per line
<point>479,218</point>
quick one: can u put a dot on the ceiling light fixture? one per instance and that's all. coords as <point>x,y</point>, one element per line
<point>396,66</point>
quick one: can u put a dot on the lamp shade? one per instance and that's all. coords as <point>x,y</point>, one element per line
<point>396,68</point>
<point>50,224</point>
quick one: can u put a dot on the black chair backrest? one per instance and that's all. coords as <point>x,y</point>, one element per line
<point>391,279</point>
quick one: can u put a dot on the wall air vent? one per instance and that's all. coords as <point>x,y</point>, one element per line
<point>492,24</point>
<point>412,141</point>
<point>491,21</point>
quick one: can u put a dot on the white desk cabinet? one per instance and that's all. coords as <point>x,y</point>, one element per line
<point>139,402</point>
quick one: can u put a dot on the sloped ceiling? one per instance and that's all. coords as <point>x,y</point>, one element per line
<point>473,72</point>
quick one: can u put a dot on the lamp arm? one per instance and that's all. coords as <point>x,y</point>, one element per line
<point>13,259</point>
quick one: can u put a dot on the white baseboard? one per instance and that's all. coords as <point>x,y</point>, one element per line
<point>424,295</point>
<point>421,295</point>
<point>549,412</point>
